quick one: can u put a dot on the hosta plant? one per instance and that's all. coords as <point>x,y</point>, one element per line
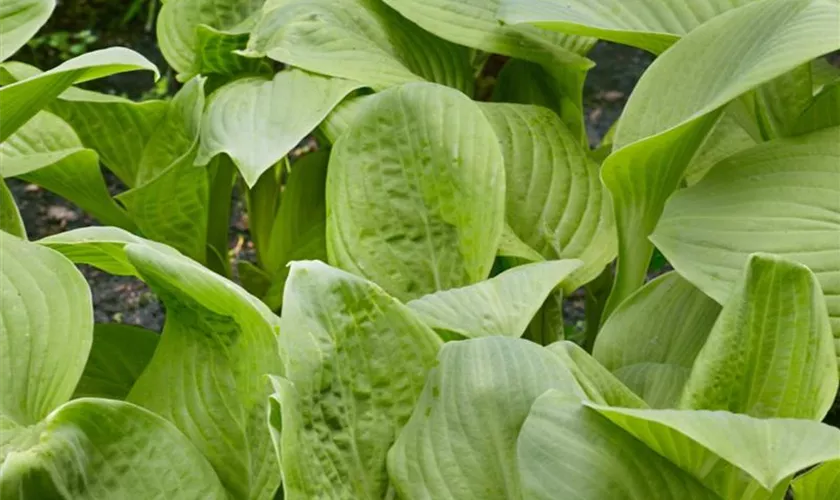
<point>400,333</point>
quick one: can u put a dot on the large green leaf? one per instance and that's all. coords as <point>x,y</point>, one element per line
<point>257,121</point>
<point>729,136</point>
<point>191,32</point>
<point>10,219</point>
<point>207,373</point>
<point>782,197</point>
<point>473,23</point>
<point>45,329</point>
<point>820,483</point>
<point>46,151</point>
<point>502,305</point>
<point>823,112</point>
<point>731,54</point>
<point>780,102</point>
<point>171,201</point>
<point>118,356</point>
<point>555,202</point>
<point>355,361</point>
<point>715,446</point>
<point>21,100</point>
<point>217,345</point>
<point>361,40</point>
<point>90,449</point>
<point>566,450</point>
<point>651,340</point>
<point>461,439</point>
<point>19,21</point>
<point>415,192</point>
<point>653,25</point>
<point>771,351</point>
<point>299,230</point>
<point>599,385</point>
<point>101,247</point>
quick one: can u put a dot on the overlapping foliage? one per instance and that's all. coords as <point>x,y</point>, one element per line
<point>400,334</point>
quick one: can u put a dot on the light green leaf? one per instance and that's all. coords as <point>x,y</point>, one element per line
<point>710,444</point>
<point>118,356</point>
<point>771,351</point>
<point>96,448</point>
<point>182,24</point>
<point>46,151</point>
<point>299,231</point>
<point>258,121</point>
<point>355,361</point>
<point>461,439</point>
<point>566,450</point>
<point>653,25</point>
<point>651,340</point>
<point>511,246</point>
<point>10,219</point>
<point>555,202</point>
<point>19,21</point>
<point>597,382</point>
<point>117,129</point>
<point>172,206</point>
<point>820,483</point>
<point>782,197</point>
<point>207,373</point>
<point>780,102</point>
<point>360,40</point>
<point>502,305</point>
<point>101,247</point>
<point>20,101</point>
<point>432,159</point>
<point>45,329</point>
<point>653,149</point>
<point>339,120</point>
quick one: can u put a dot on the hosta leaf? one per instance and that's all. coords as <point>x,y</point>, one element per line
<point>820,483</point>
<point>782,197</point>
<point>437,217</point>
<point>299,231</point>
<point>566,450</point>
<point>360,40</point>
<point>355,361</point>
<point>182,29</point>
<point>771,351</point>
<point>20,101</point>
<point>511,246</point>
<point>473,23</point>
<point>524,82</point>
<point>652,149</point>
<point>461,439</point>
<point>555,202</point>
<point>653,25</point>
<point>46,151</point>
<point>780,102</point>
<point>599,385</point>
<point>215,53</point>
<point>101,247</point>
<point>172,206</point>
<point>118,356</point>
<point>502,305</point>
<point>116,128</point>
<point>651,340</point>
<point>207,373</point>
<point>19,21</point>
<point>709,444</point>
<point>96,448</point>
<point>339,120</point>
<point>45,329</point>
<point>217,344</point>
<point>257,121</point>
<point>10,219</point>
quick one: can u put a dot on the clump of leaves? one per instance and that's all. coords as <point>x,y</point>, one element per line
<point>400,334</point>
